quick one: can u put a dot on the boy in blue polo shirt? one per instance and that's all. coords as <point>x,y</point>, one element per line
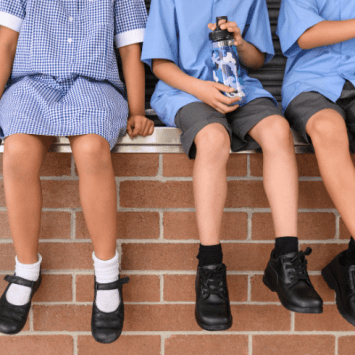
<point>176,46</point>
<point>318,97</point>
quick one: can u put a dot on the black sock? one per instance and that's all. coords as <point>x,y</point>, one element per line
<point>284,245</point>
<point>350,253</point>
<point>210,255</point>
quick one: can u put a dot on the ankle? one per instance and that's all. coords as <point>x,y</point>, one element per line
<point>285,245</point>
<point>210,255</point>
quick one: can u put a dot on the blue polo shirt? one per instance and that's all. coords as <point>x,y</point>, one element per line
<point>177,31</point>
<point>323,69</point>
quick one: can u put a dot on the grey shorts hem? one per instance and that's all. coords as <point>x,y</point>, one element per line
<point>188,138</point>
<point>298,113</point>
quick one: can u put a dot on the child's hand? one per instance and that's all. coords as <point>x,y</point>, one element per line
<point>209,92</point>
<point>139,125</point>
<point>230,27</point>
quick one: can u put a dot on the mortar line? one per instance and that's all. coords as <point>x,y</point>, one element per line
<point>161,225</point>
<point>161,278</point>
<point>75,344</point>
<point>160,172</point>
<point>250,345</point>
<point>336,344</point>
<point>248,166</point>
<point>292,328</point>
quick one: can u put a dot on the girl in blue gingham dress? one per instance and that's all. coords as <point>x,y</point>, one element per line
<point>59,77</point>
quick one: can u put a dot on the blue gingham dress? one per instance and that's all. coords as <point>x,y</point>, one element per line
<point>65,80</point>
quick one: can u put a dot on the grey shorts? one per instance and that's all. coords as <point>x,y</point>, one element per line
<point>196,115</point>
<point>305,105</point>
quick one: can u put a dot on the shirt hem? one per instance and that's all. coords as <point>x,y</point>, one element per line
<point>10,21</point>
<point>129,37</point>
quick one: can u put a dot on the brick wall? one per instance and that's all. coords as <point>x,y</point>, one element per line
<point>158,240</point>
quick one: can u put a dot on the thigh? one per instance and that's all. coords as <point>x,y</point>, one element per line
<point>194,117</point>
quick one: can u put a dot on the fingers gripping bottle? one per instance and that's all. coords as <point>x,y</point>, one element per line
<point>225,62</point>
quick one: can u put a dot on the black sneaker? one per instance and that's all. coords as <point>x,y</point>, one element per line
<point>212,310</point>
<point>287,275</point>
<point>340,277</point>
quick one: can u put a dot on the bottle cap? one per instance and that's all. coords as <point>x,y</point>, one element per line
<point>218,34</point>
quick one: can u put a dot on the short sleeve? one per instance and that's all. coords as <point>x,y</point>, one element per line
<point>12,13</point>
<point>130,21</point>
<point>161,36</point>
<point>257,29</point>
<point>296,16</point>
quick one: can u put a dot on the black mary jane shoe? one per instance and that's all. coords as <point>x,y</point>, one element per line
<point>340,277</point>
<point>107,327</point>
<point>13,318</point>
<point>212,310</point>
<point>287,275</point>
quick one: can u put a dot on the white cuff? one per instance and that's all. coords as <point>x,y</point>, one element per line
<point>129,37</point>
<point>10,21</point>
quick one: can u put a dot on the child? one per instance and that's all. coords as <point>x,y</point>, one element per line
<point>176,46</point>
<point>65,82</point>
<point>318,96</point>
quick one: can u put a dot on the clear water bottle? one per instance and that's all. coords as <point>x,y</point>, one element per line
<point>225,62</point>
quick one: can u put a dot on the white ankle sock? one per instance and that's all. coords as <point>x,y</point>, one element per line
<point>106,271</point>
<point>20,295</point>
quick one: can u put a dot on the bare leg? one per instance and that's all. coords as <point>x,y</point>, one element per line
<point>328,132</point>
<point>97,187</point>
<point>23,157</point>
<point>280,172</point>
<point>210,181</point>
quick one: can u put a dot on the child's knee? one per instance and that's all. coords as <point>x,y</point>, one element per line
<point>213,141</point>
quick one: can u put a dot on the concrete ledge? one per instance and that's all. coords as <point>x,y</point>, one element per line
<point>163,140</point>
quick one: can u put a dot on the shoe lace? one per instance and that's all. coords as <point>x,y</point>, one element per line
<point>213,281</point>
<point>298,266</point>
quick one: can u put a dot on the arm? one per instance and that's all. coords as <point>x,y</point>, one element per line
<point>133,71</point>
<point>248,54</point>
<point>326,33</point>
<point>207,91</point>
<point>8,44</point>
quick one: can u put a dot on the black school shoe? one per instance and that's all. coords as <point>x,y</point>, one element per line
<point>212,310</point>
<point>340,277</point>
<point>13,318</point>
<point>107,327</point>
<point>287,275</point>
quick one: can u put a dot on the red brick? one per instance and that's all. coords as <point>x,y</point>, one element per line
<point>7,257</point>
<point>240,257</point>
<point>181,317</point>
<point>346,345</point>
<point>182,225</point>
<point>62,318</point>
<point>311,226</point>
<point>156,194</point>
<point>56,164</point>
<point>55,256</point>
<point>2,194</point>
<point>180,165</point>
<point>64,256</point>
<point>206,344</point>
<point>60,194</point>
<point>135,164</point>
<point>257,318</point>
<point>260,293</point>
<point>179,288</point>
<point>307,165</point>
<point>126,345</point>
<point>312,194</point>
<point>343,230</point>
<point>322,254</point>
<point>130,225</point>
<point>246,194</point>
<point>141,288</point>
<point>293,344</point>
<point>54,288</point>
<point>329,320</point>
<point>37,344</point>
<point>54,225</point>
